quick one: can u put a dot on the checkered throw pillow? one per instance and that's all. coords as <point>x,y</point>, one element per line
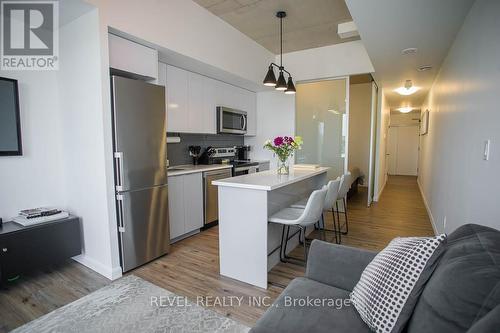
<point>390,285</point>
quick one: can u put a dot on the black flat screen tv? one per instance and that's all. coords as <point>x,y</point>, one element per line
<point>10,123</point>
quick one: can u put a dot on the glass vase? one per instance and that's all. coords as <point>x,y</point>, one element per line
<point>283,166</point>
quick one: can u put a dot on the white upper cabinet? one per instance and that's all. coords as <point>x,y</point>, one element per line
<point>210,105</point>
<point>250,106</point>
<point>131,57</point>
<point>193,99</point>
<point>162,75</point>
<point>196,104</point>
<point>177,106</point>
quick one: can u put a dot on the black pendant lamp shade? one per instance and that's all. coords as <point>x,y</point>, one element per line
<point>270,79</point>
<point>290,87</point>
<point>281,84</point>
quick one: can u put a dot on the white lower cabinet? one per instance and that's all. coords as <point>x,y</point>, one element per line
<point>185,203</point>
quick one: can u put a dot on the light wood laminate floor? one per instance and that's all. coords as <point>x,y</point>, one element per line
<point>191,269</point>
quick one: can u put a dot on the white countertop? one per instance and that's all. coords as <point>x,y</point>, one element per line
<point>269,180</point>
<point>189,168</point>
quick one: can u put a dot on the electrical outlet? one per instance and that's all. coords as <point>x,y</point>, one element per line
<point>444,225</point>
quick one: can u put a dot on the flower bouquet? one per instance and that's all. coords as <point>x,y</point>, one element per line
<point>283,147</point>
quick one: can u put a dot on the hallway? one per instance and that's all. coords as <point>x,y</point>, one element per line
<point>399,212</point>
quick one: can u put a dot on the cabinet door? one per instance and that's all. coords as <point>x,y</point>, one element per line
<point>250,106</point>
<point>209,106</point>
<point>177,92</point>
<point>176,206</point>
<point>193,198</point>
<point>132,57</point>
<point>162,75</point>
<point>195,102</point>
<point>225,95</point>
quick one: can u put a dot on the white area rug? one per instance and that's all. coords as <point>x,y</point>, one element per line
<point>132,304</point>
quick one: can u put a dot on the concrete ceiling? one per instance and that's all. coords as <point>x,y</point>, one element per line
<point>309,23</point>
<point>389,26</point>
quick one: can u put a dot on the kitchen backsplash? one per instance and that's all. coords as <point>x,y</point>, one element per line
<point>178,153</point>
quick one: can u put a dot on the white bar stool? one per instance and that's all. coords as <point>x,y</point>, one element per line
<point>331,198</point>
<point>300,218</point>
<point>345,186</point>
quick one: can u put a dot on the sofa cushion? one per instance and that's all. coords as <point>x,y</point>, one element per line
<point>286,317</point>
<point>465,286</point>
<point>390,285</point>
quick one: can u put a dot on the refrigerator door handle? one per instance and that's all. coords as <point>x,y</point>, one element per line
<point>119,170</point>
<point>119,200</point>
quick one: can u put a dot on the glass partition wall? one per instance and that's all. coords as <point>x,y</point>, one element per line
<point>321,119</point>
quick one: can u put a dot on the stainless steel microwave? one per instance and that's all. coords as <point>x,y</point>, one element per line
<point>231,121</point>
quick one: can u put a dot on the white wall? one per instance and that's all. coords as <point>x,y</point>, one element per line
<point>456,182</point>
<point>62,131</point>
<point>275,116</point>
<point>36,178</point>
<point>405,119</point>
<point>383,119</point>
<point>360,101</point>
<point>187,28</point>
<point>79,80</point>
<point>328,61</point>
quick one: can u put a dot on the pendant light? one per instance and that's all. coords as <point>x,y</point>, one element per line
<point>281,84</point>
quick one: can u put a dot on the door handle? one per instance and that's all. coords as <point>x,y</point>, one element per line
<point>119,168</point>
<point>121,224</point>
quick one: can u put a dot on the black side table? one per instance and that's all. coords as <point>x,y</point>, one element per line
<point>23,249</point>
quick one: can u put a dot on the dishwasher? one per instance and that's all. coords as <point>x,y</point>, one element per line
<point>211,195</point>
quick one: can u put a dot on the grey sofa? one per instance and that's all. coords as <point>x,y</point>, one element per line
<point>462,295</point>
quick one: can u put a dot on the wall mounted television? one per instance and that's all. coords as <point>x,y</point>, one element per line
<point>10,122</point>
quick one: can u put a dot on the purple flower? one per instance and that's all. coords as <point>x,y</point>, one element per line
<point>278,141</point>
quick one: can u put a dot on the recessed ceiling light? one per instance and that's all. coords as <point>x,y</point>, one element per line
<point>408,89</point>
<point>409,51</point>
<point>405,109</point>
<point>424,68</point>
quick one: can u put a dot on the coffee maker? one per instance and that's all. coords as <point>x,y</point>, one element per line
<point>243,153</point>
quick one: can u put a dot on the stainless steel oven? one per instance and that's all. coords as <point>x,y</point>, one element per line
<point>231,121</point>
<point>245,168</point>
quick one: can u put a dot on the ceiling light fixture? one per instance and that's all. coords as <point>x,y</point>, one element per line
<point>405,109</point>
<point>270,79</point>
<point>410,50</point>
<point>424,68</point>
<point>408,89</point>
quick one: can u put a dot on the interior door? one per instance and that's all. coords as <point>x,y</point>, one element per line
<point>144,225</point>
<point>139,133</point>
<point>407,153</point>
<point>392,150</point>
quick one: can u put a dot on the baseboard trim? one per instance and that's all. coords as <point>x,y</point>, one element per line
<point>111,273</point>
<point>181,237</point>
<point>376,197</point>
<point>426,204</point>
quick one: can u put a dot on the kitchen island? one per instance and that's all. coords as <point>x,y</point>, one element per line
<point>247,242</point>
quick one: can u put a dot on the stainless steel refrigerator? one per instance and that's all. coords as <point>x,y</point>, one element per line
<point>140,155</point>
